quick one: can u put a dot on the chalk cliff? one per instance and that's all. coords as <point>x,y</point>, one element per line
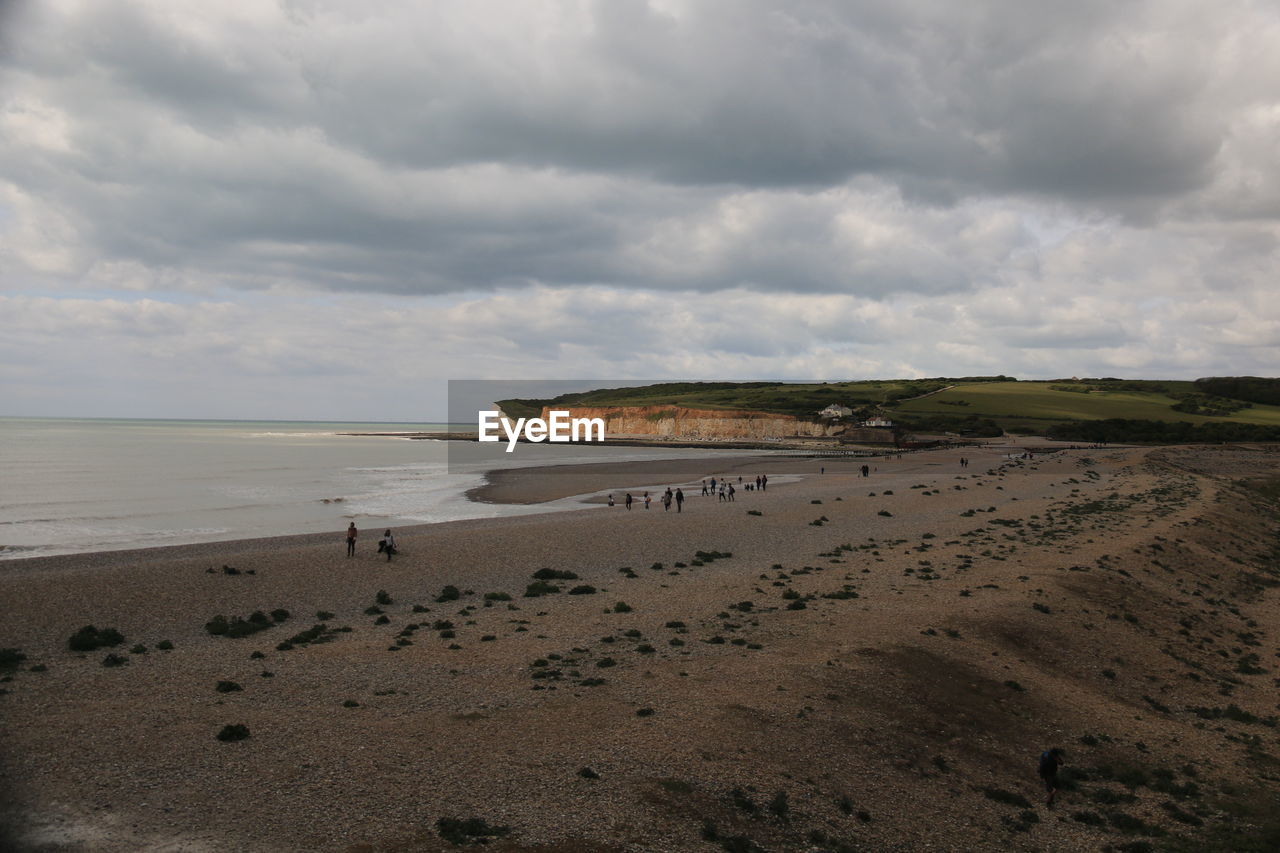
<point>679,422</point>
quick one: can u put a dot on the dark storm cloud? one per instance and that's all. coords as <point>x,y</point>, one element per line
<point>854,147</point>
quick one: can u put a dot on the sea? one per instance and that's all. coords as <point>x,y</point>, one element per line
<point>70,485</point>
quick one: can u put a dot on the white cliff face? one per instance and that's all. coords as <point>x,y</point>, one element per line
<point>679,422</point>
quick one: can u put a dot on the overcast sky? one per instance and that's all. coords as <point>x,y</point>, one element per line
<point>325,209</point>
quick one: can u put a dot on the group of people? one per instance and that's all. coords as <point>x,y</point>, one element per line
<point>719,488</point>
<point>668,498</point>
<point>386,545</point>
<point>725,490</point>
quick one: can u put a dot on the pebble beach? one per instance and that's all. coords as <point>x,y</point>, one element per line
<point>827,662</point>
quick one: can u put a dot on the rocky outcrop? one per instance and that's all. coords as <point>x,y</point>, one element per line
<point>679,422</point>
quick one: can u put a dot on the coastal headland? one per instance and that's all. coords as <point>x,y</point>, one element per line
<point>840,662</point>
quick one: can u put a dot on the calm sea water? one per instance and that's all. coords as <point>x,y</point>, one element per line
<point>73,485</point>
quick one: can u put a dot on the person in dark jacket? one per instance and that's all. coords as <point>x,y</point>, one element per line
<point>1050,761</point>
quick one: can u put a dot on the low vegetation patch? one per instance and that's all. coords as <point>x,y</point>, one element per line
<point>89,638</point>
<point>540,588</point>
<point>554,575</point>
<point>472,830</point>
<point>235,627</point>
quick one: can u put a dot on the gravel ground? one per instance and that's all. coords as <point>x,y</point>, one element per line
<point>881,717</point>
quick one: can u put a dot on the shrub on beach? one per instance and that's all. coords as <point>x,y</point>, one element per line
<point>10,658</point>
<point>582,589</point>
<point>622,607</point>
<point>449,593</point>
<point>89,638</point>
<point>233,732</point>
<point>538,588</point>
<point>554,575</point>
<point>236,627</point>
<point>473,829</point>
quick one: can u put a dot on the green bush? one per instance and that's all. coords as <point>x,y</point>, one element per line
<point>89,638</point>
<point>236,627</point>
<point>622,607</point>
<point>540,588</point>
<point>449,593</point>
<point>554,575</point>
<point>233,732</point>
<point>465,831</point>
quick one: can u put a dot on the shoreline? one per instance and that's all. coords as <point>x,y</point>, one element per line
<point>542,485</point>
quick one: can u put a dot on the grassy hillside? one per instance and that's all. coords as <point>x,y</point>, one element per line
<point>968,405</point>
<point>800,399</point>
<point>1033,405</point>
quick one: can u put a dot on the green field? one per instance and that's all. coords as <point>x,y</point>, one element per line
<point>1033,404</point>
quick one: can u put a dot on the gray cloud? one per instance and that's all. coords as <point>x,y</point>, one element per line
<point>899,184</point>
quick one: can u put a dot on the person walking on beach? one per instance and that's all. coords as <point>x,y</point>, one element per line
<point>352,533</point>
<point>1050,761</point>
<point>731,491</point>
<point>713,485</point>
<point>387,545</point>
<point>764,482</point>
<point>666,501</point>
<point>647,499</point>
<point>628,501</point>
<point>679,500</point>
<point>704,488</point>
<point>611,499</point>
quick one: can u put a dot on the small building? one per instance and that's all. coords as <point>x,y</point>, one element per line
<point>835,411</point>
<point>881,423</point>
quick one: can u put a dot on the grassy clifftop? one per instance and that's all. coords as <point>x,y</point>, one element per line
<point>786,398</point>
<point>1032,406</point>
<point>960,404</point>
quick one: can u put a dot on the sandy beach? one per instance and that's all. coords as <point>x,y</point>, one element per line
<point>841,662</point>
